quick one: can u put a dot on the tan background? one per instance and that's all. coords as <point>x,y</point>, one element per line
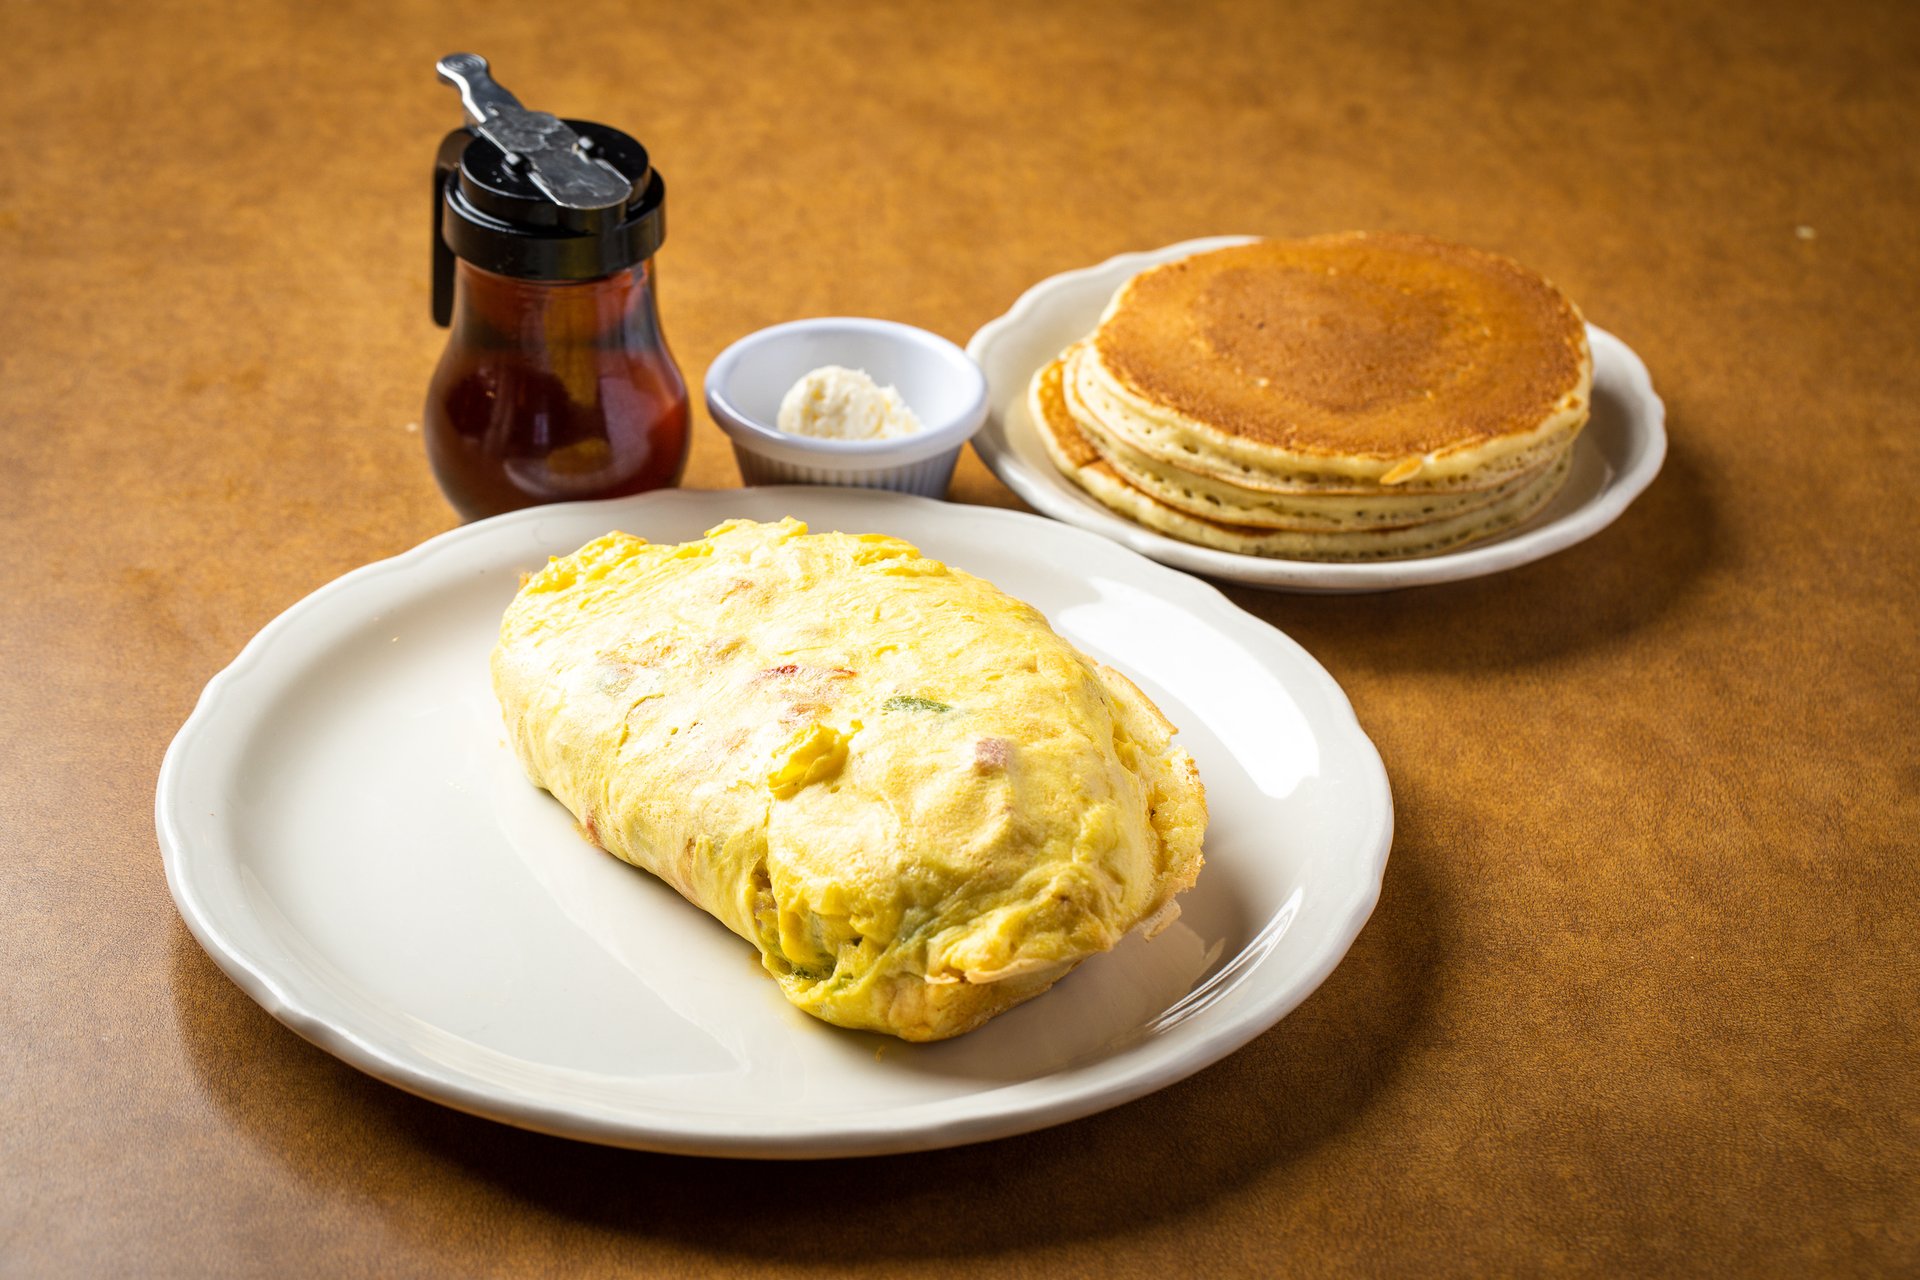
<point>1640,995</point>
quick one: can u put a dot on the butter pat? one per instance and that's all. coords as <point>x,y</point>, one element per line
<point>833,403</point>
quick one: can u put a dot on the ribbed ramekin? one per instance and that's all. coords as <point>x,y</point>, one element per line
<point>939,382</point>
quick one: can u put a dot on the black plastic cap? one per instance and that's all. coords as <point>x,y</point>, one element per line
<point>498,219</point>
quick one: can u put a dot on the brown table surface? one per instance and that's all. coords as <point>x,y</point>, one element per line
<point>1640,995</point>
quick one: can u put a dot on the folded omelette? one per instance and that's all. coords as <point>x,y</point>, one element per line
<point>893,779</point>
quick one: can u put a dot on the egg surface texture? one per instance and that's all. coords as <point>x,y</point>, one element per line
<point>914,799</point>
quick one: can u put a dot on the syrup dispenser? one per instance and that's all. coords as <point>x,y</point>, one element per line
<point>556,383</point>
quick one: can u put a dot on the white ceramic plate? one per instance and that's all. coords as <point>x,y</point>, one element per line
<point>348,835</point>
<point>1616,457</point>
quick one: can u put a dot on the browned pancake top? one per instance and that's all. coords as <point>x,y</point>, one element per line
<point>1373,345</point>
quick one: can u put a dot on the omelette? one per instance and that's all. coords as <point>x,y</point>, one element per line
<point>915,800</point>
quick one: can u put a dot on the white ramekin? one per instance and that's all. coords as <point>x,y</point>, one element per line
<point>940,383</point>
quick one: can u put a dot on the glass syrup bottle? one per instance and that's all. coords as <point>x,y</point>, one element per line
<point>556,383</point>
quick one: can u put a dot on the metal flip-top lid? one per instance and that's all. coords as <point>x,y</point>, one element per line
<point>524,193</point>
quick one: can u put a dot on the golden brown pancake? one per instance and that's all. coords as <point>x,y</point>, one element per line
<point>1109,416</point>
<point>1385,356</point>
<point>1326,507</point>
<point>1067,444</point>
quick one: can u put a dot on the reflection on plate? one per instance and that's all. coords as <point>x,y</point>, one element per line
<point>348,835</point>
<point>1615,459</point>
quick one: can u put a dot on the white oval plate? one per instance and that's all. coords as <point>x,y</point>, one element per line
<point>1616,457</point>
<point>347,834</point>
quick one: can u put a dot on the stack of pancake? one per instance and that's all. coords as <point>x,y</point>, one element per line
<point>1346,397</point>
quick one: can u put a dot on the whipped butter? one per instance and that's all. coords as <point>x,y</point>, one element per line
<point>834,403</point>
